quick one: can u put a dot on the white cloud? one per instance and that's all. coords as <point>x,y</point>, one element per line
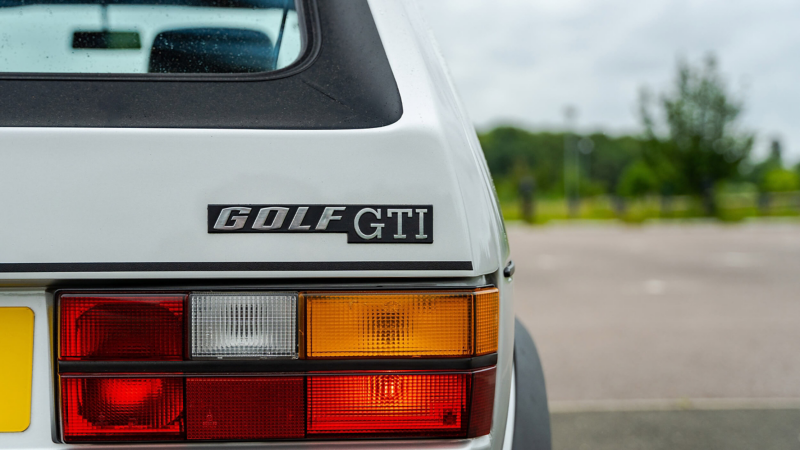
<point>524,60</point>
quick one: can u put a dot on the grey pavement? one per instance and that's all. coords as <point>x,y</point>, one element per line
<point>684,430</point>
<point>663,311</point>
<point>664,314</point>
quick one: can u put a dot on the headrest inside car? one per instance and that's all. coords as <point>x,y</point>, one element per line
<point>211,50</point>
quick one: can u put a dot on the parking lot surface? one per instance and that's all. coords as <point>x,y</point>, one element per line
<point>664,318</point>
<point>684,430</point>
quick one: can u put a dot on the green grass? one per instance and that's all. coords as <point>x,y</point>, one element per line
<point>732,207</point>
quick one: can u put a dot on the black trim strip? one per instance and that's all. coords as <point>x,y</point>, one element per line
<point>289,266</point>
<point>278,365</point>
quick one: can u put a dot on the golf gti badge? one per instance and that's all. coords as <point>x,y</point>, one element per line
<point>406,224</point>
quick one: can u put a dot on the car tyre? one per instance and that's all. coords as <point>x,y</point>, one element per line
<point>532,416</point>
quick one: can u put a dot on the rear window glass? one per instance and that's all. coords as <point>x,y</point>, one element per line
<point>148,36</point>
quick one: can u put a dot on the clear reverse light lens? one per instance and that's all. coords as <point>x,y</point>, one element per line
<point>244,325</point>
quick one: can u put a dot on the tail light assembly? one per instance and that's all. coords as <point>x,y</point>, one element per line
<point>259,366</point>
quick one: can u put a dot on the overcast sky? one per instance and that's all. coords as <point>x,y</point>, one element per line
<point>523,61</point>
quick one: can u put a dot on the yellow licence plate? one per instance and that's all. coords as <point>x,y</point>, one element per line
<point>16,368</point>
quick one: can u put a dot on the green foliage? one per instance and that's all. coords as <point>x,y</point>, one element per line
<point>759,171</point>
<point>780,180</point>
<point>692,160</point>
<point>733,207</point>
<point>637,180</point>
<point>703,145</point>
<point>610,157</point>
<point>513,153</point>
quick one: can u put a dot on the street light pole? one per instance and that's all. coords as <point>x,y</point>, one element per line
<point>571,164</point>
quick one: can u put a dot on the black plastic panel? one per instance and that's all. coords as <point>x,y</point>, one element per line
<point>276,365</point>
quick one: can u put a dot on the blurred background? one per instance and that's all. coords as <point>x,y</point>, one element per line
<point>647,160</point>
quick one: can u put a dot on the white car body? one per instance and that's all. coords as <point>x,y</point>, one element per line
<point>106,196</point>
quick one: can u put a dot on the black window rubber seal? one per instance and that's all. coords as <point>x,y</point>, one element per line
<point>342,80</point>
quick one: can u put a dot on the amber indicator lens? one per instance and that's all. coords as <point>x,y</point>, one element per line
<point>388,324</point>
<point>487,320</point>
<point>121,327</point>
<point>400,324</point>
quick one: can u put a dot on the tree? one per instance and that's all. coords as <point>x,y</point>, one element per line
<point>637,180</point>
<point>704,145</point>
<point>773,162</point>
<point>610,157</point>
<point>513,153</point>
<point>780,180</point>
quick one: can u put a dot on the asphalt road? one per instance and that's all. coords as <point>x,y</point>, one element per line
<point>683,430</point>
<point>647,330</point>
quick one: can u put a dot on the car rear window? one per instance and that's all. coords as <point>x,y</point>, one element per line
<point>148,36</point>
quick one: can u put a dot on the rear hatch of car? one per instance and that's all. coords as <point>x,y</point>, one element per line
<point>135,203</point>
<point>129,215</point>
<point>128,204</point>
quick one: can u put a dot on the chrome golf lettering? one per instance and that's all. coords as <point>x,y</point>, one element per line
<point>367,224</point>
<point>225,217</point>
<point>261,219</point>
<point>327,216</point>
<point>299,215</point>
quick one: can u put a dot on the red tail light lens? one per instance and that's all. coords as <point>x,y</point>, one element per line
<point>321,405</point>
<point>388,405</point>
<point>121,327</point>
<point>245,408</point>
<point>480,418</point>
<point>122,409</point>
